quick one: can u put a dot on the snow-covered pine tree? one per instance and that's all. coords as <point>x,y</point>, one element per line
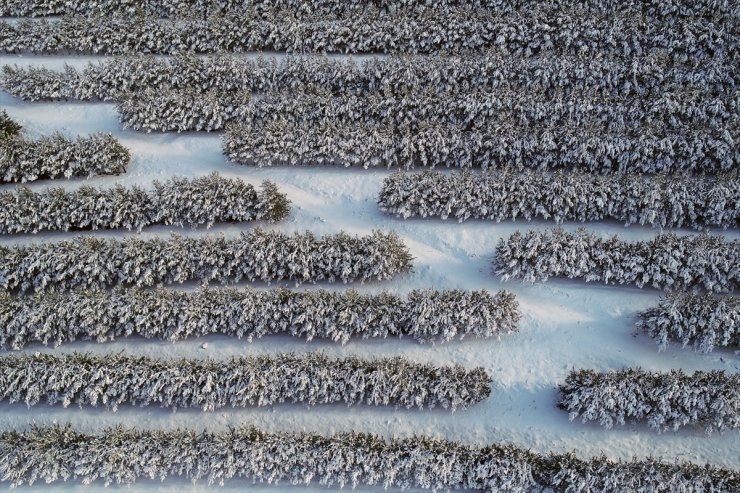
<point>566,472</point>
<point>704,321</point>
<point>665,401</point>
<point>645,75</point>
<point>113,456</point>
<point>668,261</point>
<point>56,156</point>
<point>651,9</point>
<point>99,315</point>
<point>114,380</point>
<point>433,30</point>
<point>89,262</point>
<point>281,142</point>
<point>497,195</point>
<point>9,128</point>
<point>181,111</point>
<point>194,109</point>
<point>178,201</point>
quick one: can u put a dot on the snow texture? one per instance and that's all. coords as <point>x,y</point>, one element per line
<point>666,401</point>
<point>661,201</point>
<point>257,255</point>
<point>422,315</point>
<point>178,201</point>
<point>538,30</point>
<point>567,75</point>
<point>668,261</point>
<point>117,380</point>
<point>704,321</point>
<point>124,455</point>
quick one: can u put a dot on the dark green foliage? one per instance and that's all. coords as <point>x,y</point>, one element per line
<point>8,127</point>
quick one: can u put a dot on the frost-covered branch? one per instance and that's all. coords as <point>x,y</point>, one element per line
<point>669,261</point>
<point>661,201</point>
<point>424,315</point>
<point>678,111</point>
<point>179,201</point>
<point>114,380</point>
<point>56,156</point>
<point>666,401</point>
<point>704,321</point>
<point>461,30</point>
<point>280,142</point>
<point>566,75</point>
<point>114,456</point>
<point>89,262</point>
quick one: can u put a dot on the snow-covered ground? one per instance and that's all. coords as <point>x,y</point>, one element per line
<point>566,324</point>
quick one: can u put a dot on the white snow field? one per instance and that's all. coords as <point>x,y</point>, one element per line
<point>565,324</point>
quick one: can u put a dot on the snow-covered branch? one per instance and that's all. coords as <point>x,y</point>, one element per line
<point>280,142</point>
<point>666,401</point>
<point>669,261</point>
<point>678,111</point>
<point>90,262</point>
<point>179,201</point>
<point>182,111</point>
<point>660,201</point>
<point>567,75</point>
<point>432,30</point>
<point>114,456</point>
<point>704,321</point>
<point>113,380</point>
<point>56,156</point>
<point>424,315</point>
<point>651,9</point>
<point>165,8</point>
